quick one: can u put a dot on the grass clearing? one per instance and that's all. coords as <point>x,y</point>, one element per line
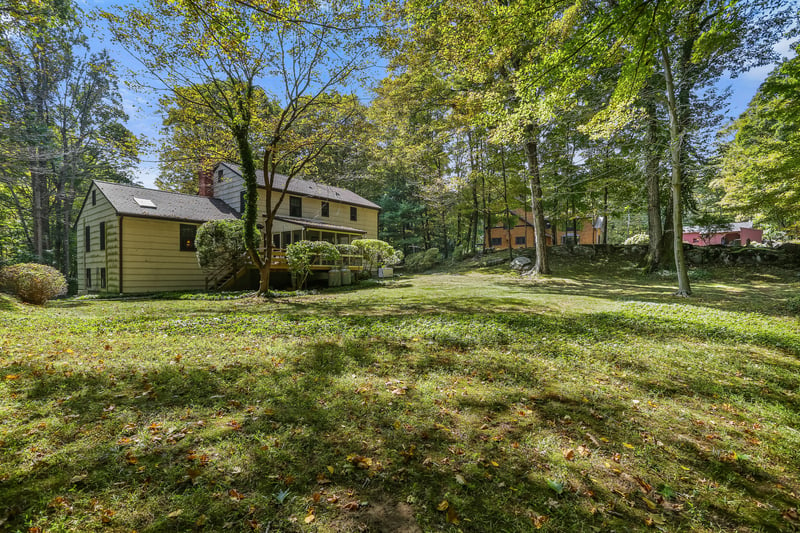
<point>476,401</point>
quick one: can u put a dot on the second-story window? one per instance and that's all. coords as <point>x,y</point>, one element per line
<point>87,238</point>
<point>295,206</point>
<point>102,235</point>
<point>353,214</point>
<point>326,209</point>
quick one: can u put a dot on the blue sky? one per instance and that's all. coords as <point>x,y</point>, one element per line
<point>145,120</point>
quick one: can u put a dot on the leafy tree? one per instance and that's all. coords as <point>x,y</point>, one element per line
<point>301,254</point>
<point>377,253</point>
<point>311,50</point>
<point>687,44</point>
<point>61,117</point>
<point>194,138</point>
<point>759,166</point>
<point>220,244</point>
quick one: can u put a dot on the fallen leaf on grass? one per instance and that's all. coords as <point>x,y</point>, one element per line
<point>443,505</point>
<point>235,495</point>
<point>310,517</point>
<point>106,516</point>
<point>539,520</point>
<point>790,514</point>
<point>569,454</point>
<point>177,513</point>
<point>646,487</point>
<point>350,506</point>
<point>452,517</point>
<point>649,503</point>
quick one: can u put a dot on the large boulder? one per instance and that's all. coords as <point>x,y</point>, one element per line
<point>520,263</point>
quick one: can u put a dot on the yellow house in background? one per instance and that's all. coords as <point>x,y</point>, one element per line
<point>136,240</point>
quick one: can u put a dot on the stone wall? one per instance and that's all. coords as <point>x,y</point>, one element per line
<point>785,255</point>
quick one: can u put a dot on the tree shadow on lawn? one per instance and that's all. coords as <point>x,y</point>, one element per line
<point>320,421</point>
<point>739,297</point>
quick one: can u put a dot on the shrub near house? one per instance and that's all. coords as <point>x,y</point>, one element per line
<point>33,283</point>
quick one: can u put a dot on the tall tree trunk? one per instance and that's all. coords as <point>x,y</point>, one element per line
<point>676,135</point>
<point>554,219</point>
<point>505,201</point>
<point>653,155</point>
<point>531,153</point>
<point>605,215</point>
<point>40,200</point>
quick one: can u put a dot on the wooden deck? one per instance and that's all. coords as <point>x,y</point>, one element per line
<point>279,262</point>
<point>225,276</point>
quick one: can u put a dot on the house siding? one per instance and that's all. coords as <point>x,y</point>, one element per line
<point>586,235</point>
<point>229,189</point>
<point>96,259</point>
<point>164,267</point>
<point>339,214</point>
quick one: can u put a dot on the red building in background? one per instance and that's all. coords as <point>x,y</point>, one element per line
<point>737,233</point>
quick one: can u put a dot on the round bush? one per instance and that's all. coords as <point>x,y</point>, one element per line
<point>33,283</point>
<point>639,238</point>
<point>220,244</point>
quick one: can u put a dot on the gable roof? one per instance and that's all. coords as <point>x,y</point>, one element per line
<point>168,205</point>
<point>309,188</point>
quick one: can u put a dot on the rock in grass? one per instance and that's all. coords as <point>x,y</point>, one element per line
<point>520,263</point>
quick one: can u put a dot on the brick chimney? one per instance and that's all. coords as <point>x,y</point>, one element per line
<point>205,178</point>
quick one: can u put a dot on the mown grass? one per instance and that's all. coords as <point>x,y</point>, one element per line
<point>479,401</point>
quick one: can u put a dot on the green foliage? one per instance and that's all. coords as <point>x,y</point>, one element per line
<point>514,391</point>
<point>759,166</point>
<point>220,244</point>
<point>639,238</point>
<point>301,254</point>
<point>33,283</point>
<point>422,261</point>
<point>376,253</point>
<point>793,305</point>
<point>349,250</point>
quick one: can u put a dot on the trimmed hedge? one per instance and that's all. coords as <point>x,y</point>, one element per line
<point>33,283</point>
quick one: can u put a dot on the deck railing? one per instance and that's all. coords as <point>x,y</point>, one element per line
<point>278,262</point>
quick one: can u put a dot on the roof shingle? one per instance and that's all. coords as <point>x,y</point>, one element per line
<point>168,205</point>
<point>310,188</point>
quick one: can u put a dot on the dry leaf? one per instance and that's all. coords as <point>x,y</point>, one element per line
<point>539,520</point>
<point>177,513</point>
<point>351,506</point>
<point>646,487</point>
<point>569,454</point>
<point>452,517</point>
<point>790,514</point>
<point>443,506</point>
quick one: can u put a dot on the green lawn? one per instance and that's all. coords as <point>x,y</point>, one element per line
<point>478,401</point>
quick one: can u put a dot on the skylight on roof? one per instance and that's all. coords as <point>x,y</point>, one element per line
<point>144,202</point>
